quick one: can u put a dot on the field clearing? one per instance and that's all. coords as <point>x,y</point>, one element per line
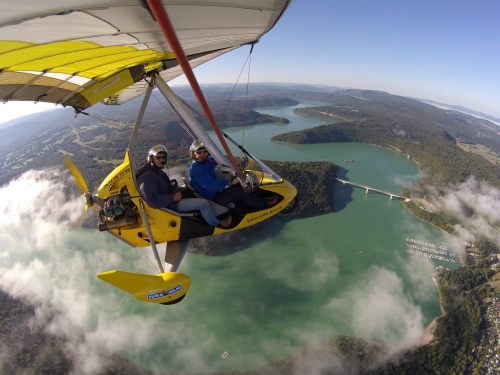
<point>100,137</point>
<point>88,127</point>
<point>61,140</point>
<point>114,162</point>
<point>481,150</point>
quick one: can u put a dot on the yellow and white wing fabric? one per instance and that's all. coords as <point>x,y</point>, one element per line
<point>79,52</point>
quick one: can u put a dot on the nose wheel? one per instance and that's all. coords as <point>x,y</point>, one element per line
<point>174,301</point>
<point>290,206</point>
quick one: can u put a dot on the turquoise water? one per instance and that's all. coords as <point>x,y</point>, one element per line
<point>305,280</point>
<point>310,279</point>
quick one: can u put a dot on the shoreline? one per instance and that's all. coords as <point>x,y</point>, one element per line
<point>428,337</point>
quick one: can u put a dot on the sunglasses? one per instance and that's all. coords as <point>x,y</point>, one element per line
<point>201,152</point>
<point>160,157</point>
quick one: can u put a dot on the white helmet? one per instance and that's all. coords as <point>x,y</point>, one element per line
<point>155,150</point>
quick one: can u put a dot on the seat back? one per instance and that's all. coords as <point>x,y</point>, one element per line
<point>187,185</point>
<point>134,168</point>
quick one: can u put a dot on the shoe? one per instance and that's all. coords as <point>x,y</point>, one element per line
<point>272,200</point>
<point>225,223</point>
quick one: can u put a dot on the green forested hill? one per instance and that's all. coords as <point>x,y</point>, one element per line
<point>96,144</point>
<point>422,132</point>
<point>404,115</point>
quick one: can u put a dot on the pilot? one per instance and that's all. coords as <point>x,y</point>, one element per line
<point>204,181</point>
<point>159,191</point>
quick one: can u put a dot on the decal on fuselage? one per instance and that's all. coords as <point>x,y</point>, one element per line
<point>272,211</point>
<point>164,293</point>
<point>119,175</point>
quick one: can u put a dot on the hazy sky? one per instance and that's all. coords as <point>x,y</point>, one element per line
<point>445,51</point>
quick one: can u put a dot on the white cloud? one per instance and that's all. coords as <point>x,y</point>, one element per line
<point>378,308</point>
<point>324,268</point>
<point>404,180</point>
<point>44,259</point>
<point>399,132</point>
<point>475,204</point>
<point>419,270</point>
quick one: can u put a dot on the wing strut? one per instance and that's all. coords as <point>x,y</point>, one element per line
<point>140,115</point>
<point>174,254</point>
<point>160,13</point>
<point>151,239</point>
<point>175,251</point>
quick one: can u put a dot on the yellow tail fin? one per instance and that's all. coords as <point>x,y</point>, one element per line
<point>165,288</point>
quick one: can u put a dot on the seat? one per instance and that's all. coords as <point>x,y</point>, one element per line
<point>187,185</point>
<point>216,208</point>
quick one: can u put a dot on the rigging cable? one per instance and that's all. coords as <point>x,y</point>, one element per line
<point>249,57</point>
<point>114,123</point>
<point>150,261</point>
<point>246,97</point>
<point>180,118</point>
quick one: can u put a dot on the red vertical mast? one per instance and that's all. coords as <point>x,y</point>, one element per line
<point>160,13</point>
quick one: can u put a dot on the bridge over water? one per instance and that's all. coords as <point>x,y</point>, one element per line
<point>368,188</point>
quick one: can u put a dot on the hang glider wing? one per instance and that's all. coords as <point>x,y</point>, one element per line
<point>80,52</point>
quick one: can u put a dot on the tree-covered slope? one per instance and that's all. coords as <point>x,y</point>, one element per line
<point>422,132</point>
<point>96,142</point>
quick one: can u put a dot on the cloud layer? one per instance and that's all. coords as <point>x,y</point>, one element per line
<point>475,204</point>
<point>43,258</point>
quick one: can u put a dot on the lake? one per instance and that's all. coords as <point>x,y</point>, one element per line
<point>300,282</point>
<point>305,280</point>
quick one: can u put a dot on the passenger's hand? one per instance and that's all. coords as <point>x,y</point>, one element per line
<point>177,196</point>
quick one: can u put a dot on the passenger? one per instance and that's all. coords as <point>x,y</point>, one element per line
<point>204,181</point>
<point>159,191</point>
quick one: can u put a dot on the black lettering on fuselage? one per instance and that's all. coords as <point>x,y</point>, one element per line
<point>118,176</point>
<point>274,210</point>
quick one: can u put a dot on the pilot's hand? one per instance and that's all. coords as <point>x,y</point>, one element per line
<point>235,181</point>
<point>177,196</point>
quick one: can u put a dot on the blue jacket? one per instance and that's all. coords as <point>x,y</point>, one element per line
<point>155,187</point>
<point>204,179</point>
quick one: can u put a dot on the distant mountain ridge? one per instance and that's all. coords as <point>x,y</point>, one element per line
<point>39,140</point>
<point>256,89</point>
<point>93,142</point>
<point>183,91</point>
<point>460,109</point>
<point>429,135</point>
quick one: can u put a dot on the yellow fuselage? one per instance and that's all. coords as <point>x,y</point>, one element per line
<point>168,226</point>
